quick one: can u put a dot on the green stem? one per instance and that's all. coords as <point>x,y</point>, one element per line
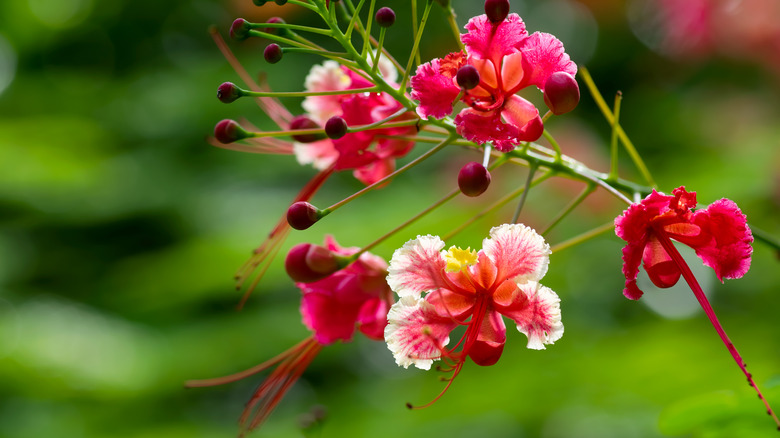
<point>289,26</point>
<point>531,170</point>
<point>378,52</point>
<point>583,237</point>
<point>554,144</point>
<point>611,119</point>
<point>569,208</point>
<point>415,49</point>
<point>613,146</point>
<point>451,20</point>
<point>766,238</point>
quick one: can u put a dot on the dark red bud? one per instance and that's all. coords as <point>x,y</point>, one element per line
<point>561,93</point>
<point>301,215</point>
<point>228,131</point>
<point>280,2</point>
<point>228,92</point>
<point>336,127</point>
<point>272,53</point>
<point>239,30</point>
<point>496,10</point>
<point>274,20</point>
<point>473,179</point>
<point>467,77</point>
<point>302,122</point>
<point>385,17</point>
<point>307,263</point>
<point>263,2</point>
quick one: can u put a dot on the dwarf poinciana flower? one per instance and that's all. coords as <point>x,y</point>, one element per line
<point>508,60</point>
<point>441,290</point>
<point>354,150</point>
<point>356,297</point>
<point>719,234</point>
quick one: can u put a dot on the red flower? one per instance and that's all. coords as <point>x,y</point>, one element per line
<point>719,234</point>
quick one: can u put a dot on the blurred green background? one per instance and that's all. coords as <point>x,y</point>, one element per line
<point>122,227</point>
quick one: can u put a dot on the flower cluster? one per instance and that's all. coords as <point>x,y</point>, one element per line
<point>363,110</point>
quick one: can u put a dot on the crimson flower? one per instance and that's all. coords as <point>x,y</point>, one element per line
<point>356,297</point>
<point>471,289</point>
<point>507,60</point>
<point>719,234</point>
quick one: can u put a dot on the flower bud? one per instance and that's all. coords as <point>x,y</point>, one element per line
<point>467,77</point>
<point>228,92</point>
<point>274,20</point>
<point>228,131</point>
<point>336,127</point>
<point>561,93</point>
<point>306,263</point>
<point>272,53</point>
<point>302,122</point>
<point>385,17</point>
<point>473,179</point>
<point>301,215</point>
<point>239,30</point>
<point>263,2</point>
<point>496,10</point>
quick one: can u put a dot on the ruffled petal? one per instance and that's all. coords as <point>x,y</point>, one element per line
<point>489,345</point>
<point>518,252</point>
<point>320,154</point>
<point>435,91</point>
<point>729,251</point>
<point>417,267</point>
<point>487,127</point>
<point>372,318</point>
<point>543,55</point>
<point>374,171</point>
<point>632,258</point>
<point>330,319</point>
<point>415,333</point>
<point>493,41</point>
<point>536,310</point>
<point>326,77</point>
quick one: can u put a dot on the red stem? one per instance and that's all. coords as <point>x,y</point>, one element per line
<point>705,304</point>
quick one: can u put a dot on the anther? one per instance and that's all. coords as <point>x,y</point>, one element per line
<point>467,77</point>
<point>496,10</point>
<point>473,179</point>
<point>228,92</point>
<point>302,215</point>
<point>336,127</point>
<point>385,17</point>
<point>239,30</point>
<point>303,122</point>
<point>272,53</point>
<point>228,131</point>
<point>561,93</point>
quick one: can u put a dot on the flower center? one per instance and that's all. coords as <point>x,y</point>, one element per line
<point>459,259</point>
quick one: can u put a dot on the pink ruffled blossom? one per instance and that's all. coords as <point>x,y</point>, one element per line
<point>354,297</point>
<point>442,290</point>
<point>508,60</point>
<point>719,234</point>
<point>370,154</point>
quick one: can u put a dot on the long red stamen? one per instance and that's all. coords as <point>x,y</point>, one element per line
<point>705,304</point>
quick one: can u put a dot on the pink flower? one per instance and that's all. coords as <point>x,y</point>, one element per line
<point>441,290</point>
<point>508,60</point>
<point>719,234</point>
<point>354,150</point>
<point>332,308</point>
<point>356,296</point>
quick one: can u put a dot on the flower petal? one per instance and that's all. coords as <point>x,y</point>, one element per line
<point>330,319</point>
<point>524,116</point>
<point>489,345</point>
<point>537,312</point>
<point>435,91</point>
<point>372,318</point>
<point>660,267</point>
<point>487,127</point>
<point>632,258</point>
<point>417,267</point>
<point>729,252</point>
<point>518,252</point>
<point>493,41</point>
<point>543,55</point>
<point>415,333</point>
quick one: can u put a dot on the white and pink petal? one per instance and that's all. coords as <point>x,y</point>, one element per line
<point>417,267</point>
<point>416,334</point>
<point>518,252</point>
<point>537,314</point>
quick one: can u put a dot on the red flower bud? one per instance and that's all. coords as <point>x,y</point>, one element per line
<point>473,179</point>
<point>302,215</point>
<point>306,263</point>
<point>272,53</point>
<point>228,92</point>
<point>336,127</point>
<point>303,122</point>
<point>385,17</point>
<point>239,30</point>
<point>228,131</point>
<point>467,77</point>
<point>496,10</point>
<point>561,93</point>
